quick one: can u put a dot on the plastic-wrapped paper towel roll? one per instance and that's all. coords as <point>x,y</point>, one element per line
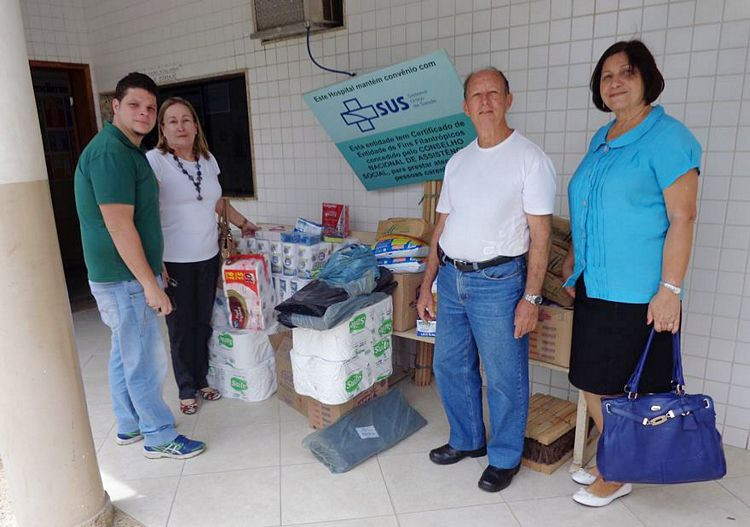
<point>249,384</point>
<point>238,348</point>
<point>357,335</point>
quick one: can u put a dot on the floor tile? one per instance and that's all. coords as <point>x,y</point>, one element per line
<point>417,484</point>
<point>242,498</point>
<point>382,521</point>
<point>691,505</point>
<point>738,461</point>
<point>101,418</point>
<point>237,447</point>
<point>740,487</point>
<point>126,462</point>
<point>292,451</point>
<point>530,484</point>
<point>564,512</point>
<point>496,515</point>
<point>146,500</point>
<point>310,493</point>
<point>232,412</point>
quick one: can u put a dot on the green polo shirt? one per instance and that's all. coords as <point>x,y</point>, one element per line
<point>112,169</point>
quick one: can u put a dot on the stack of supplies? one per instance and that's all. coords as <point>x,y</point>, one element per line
<point>335,365</point>
<point>241,364</point>
<point>403,244</point>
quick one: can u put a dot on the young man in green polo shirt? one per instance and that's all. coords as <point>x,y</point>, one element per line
<point>117,198</point>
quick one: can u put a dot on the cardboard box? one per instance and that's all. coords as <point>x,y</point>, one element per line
<point>282,346</point>
<point>553,290</point>
<point>550,341</point>
<point>320,415</point>
<point>405,300</point>
<point>412,227</point>
<point>561,232</point>
<point>335,219</point>
<point>557,256</point>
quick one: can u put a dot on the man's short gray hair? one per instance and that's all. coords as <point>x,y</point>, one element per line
<point>489,68</point>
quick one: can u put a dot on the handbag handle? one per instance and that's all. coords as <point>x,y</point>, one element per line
<point>678,379</point>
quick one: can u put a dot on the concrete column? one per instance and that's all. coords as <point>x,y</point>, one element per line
<point>45,437</point>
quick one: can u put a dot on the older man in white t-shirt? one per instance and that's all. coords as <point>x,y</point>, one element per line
<point>495,207</point>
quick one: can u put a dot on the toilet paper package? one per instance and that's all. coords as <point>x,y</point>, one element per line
<point>289,242</point>
<point>335,365</point>
<point>248,384</point>
<point>357,335</point>
<point>238,348</point>
<point>330,382</point>
<point>277,256</point>
<point>249,291</point>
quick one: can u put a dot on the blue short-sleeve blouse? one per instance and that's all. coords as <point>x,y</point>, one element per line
<point>618,215</point>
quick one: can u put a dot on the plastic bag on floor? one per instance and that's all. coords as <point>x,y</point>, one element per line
<point>364,432</point>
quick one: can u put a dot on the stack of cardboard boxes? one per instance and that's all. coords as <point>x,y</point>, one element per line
<point>550,341</point>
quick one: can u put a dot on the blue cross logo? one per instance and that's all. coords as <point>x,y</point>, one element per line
<point>360,115</point>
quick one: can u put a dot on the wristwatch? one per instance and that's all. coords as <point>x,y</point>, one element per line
<point>534,299</point>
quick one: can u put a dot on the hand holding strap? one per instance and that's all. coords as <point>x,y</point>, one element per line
<point>678,380</point>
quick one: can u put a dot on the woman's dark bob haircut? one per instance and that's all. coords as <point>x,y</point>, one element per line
<point>642,60</point>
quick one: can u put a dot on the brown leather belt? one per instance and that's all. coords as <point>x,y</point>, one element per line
<point>465,266</point>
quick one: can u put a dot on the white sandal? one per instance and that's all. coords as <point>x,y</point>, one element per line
<point>582,477</point>
<point>584,497</point>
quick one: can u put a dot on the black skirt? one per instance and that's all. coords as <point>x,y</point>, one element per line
<point>608,339</point>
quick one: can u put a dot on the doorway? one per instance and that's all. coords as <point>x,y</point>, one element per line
<point>65,107</point>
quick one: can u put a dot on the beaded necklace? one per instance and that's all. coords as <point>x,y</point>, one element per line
<point>196,181</point>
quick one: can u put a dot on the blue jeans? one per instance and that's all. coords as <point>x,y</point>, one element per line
<point>475,313</point>
<point>137,361</point>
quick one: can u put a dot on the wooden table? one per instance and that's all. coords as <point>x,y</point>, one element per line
<point>583,448</point>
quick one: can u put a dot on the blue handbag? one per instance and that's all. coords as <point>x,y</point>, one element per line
<point>660,437</point>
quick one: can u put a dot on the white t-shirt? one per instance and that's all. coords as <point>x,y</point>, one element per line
<point>189,225</point>
<point>487,193</point>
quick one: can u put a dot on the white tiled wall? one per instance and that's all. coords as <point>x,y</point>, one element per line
<point>56,30</point>
<point>547,48</point>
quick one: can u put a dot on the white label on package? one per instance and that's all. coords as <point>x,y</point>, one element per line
<point>367,432</point>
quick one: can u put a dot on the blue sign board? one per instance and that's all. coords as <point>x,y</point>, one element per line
<point>397,125</point>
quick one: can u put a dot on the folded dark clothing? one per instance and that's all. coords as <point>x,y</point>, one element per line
<point>335,314</point>
<point>313,299</point>
<point>317,296</point>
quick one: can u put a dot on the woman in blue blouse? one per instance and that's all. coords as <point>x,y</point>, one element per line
<point>632,209</point>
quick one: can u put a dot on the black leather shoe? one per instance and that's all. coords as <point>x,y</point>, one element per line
<point>495,479</point>
<point>447,455</point>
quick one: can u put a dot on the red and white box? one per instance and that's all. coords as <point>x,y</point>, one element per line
<point>336,218</point>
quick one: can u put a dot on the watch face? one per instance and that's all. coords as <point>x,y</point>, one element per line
<point>538,300</point>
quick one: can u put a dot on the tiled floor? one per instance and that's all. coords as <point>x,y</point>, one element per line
<point>255,473</point>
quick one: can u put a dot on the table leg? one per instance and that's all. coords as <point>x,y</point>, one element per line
<point>423,363</point>
<point>582,432</point>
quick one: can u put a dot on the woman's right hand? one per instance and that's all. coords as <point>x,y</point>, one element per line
<point>567,269</point>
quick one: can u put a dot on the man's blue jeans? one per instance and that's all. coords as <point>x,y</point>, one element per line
<point>137,361</point>
<point>475,314</point>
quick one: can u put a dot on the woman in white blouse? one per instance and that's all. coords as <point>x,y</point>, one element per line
<point>189,200</point>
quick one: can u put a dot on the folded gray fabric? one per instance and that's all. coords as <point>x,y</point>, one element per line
<point>336,313</point>
<point>365,431</point>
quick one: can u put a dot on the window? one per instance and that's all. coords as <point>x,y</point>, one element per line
<point>280,19</point>
<point>221,104</point>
